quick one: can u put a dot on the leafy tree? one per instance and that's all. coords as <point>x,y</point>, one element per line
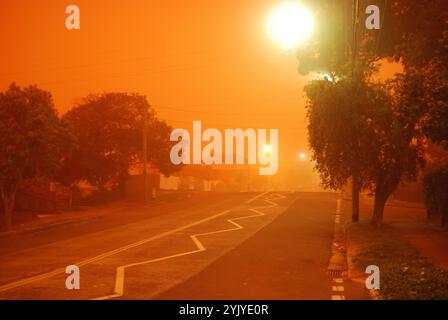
<point>416,34</point>
<point>432,81</point>
<point>109,135</point>
<point>329,48</point>
<point>336,129</point>
<point>159,146</point>
<point>413,32</point>
<point>330,52</point>
<point>395,149</point>
<point>33,140</point>
<point>371,129</point>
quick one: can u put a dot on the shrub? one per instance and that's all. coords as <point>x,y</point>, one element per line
<point>435,186</point>
<point>405,273</point>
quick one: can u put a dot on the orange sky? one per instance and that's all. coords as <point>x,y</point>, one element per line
<point>203,60</point>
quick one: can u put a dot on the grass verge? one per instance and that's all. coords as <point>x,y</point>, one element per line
<point>404,273</point>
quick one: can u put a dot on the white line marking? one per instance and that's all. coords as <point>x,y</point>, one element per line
<point>106,254</point>
<point>120,273</point>
<point>337,288</point>
<point>338,280</point>
<point>256,197</point>
<point>58,271</point>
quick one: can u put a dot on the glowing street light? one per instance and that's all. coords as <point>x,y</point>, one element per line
<point>329,77</point>
<point>267,150</point>
<point>290,24</point>
<point>302,156</point>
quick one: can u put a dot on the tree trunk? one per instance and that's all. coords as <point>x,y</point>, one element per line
<point>8,208</point>
<point>9,199</point>
<point>122,185</point>
<point>355,198</point>
<point>70,198</point>
<point>378,208</point>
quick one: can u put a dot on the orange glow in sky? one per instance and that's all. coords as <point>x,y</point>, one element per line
<point>195,60</point>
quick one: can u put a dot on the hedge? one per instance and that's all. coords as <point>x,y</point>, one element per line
<point>435,187</point>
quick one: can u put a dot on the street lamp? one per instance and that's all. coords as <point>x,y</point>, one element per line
<point>267,150</point>
<point>290,24</point>
<point>328,76</point>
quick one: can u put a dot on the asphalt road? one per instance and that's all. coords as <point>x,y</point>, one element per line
<point>210,246</point>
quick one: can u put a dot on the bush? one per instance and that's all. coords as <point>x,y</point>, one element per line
<point>435,182</point>
<point>405,273</point>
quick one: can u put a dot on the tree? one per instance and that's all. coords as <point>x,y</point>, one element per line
<point>330,52</point>
<point>159,146</point>
<point>395,149</point>
<point>433,82</point>
<point>413,32</point>
<point>336,132</point>
<point>416,34</point>
<point>108,129</point>
<point>329,49</point>
<point>372,129</point>
<point>33,140</point>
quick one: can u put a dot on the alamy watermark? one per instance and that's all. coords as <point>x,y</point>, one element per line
<point>72,21</point>
<point>373,278</point>
<point>73,281</point>
<point>189,149</point>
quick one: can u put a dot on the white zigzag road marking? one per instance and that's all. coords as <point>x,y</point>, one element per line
<point>107,254</point>
<point>120,273</point>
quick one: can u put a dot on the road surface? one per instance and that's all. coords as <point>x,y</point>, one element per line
<point>272,245</point>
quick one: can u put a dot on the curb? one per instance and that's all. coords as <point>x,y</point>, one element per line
<point>337,265</point>
<point>39,227</point>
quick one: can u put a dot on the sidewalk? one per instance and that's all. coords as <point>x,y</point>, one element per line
<point>409,218</point>
<point>430,240</point>
<point>49,220</point>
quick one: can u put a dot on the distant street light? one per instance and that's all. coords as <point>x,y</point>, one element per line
<point>302,156</point>
<point>267,150</point>
<point>290,24</point>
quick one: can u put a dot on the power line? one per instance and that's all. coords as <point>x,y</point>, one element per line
<point>141,72</point>
<point>228,113</point>
<point>56,68</point>
<point>233,125</point>
<point>355,29</point>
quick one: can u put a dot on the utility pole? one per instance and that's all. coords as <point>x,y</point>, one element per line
<point>356,175</point>
<point>355,33</point>
<point>145,154</point>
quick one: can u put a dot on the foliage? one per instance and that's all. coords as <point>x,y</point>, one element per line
<point>109,131</point>
<point>335,128</point>
<point>368,128</point>
<point>159,146</point>
<point>414,31</point>
<point>396,143</point>
<point>377,135</point>
<point>328,50</point>
<point>433,80</point>
<point>405,274</point>
<point>33,140</point>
